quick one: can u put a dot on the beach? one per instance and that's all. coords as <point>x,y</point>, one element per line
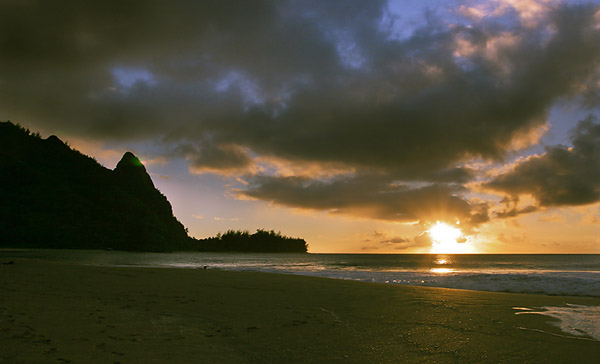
<point>56,312</point>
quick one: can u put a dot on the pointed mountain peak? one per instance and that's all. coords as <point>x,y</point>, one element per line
<point>130,169</point>
<point>129,160</point>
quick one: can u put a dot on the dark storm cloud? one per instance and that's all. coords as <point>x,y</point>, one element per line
<point>208,156</point>
<point>302,81</point>
<point>413,111</point>
<point>371,197</point>
<point>562,176</point>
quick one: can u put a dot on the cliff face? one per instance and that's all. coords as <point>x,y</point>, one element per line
<point>54,197</point>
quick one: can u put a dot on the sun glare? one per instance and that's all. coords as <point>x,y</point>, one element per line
<point>445,238</point>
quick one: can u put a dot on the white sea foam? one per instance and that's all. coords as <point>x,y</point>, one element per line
<point>553,283</point>
<point>575,320</point>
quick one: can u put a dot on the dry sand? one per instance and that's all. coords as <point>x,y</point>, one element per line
<point>60,313</point>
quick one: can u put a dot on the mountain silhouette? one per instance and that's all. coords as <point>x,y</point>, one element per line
<point>52,196</point>
<point>132,172</point>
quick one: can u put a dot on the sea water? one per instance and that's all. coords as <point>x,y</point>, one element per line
<point>553,274</point>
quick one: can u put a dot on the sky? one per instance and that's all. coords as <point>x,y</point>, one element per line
<point>361,126</point>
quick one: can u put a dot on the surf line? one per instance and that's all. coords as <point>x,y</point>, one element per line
<point>555,334</point>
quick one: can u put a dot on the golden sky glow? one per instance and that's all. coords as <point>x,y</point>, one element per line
<point>358,136</point>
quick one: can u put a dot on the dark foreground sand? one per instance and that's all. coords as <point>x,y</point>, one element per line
<point>59,313</point>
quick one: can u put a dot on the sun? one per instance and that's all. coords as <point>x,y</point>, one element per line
<point>445,237</point>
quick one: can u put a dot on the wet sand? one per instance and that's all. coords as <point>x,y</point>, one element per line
<point>61,313</point>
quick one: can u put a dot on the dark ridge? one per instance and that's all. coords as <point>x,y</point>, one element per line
<point>53,139</point>
<point>52,196</point>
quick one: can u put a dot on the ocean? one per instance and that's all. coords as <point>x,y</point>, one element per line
<point>551,274</point>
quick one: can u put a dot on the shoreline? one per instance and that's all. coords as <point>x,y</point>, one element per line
<point>561,276</point>
<point>61,312</point>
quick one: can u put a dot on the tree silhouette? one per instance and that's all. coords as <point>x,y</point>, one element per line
<point>260,241</point>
